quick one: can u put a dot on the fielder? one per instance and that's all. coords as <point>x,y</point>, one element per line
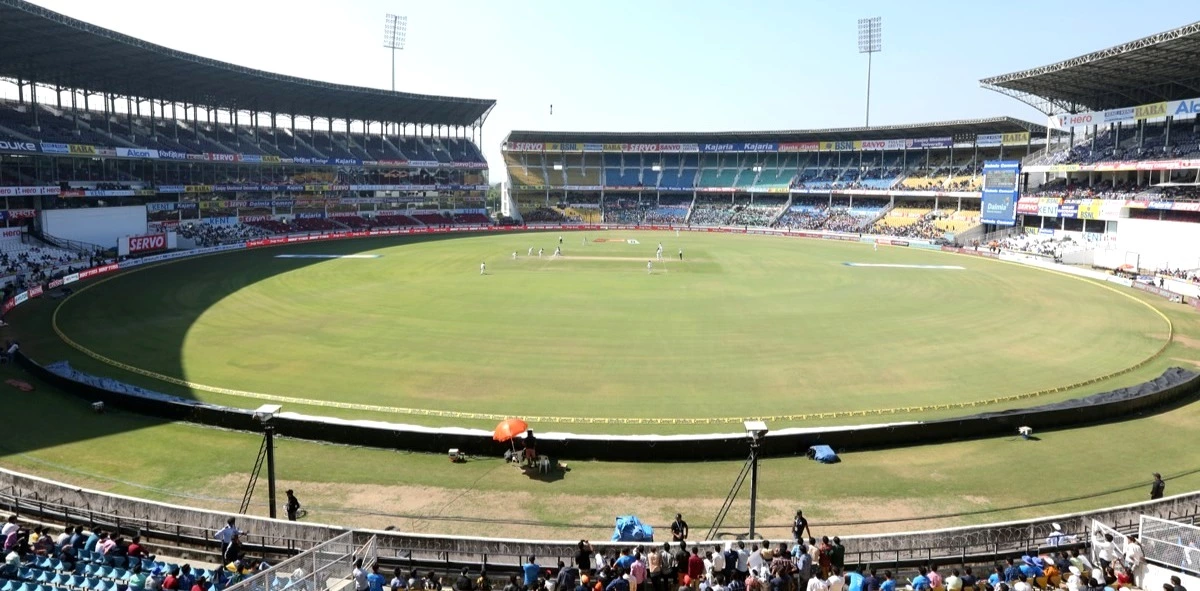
<point>558,251</point>
<point>482,268</point>
<point>681,254</point>
<point>514,255</point>
<point>539,253</point>
<point>530,253</point>
<point>658,254</point>
<point>649,267</point>
<point>876,244</point>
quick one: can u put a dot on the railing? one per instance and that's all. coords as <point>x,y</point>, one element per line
<point>64,243</point>
<point>34,497</point>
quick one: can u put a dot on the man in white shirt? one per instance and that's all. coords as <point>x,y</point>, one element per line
<point>743,563</point>
<point>9,527</point>
<point>227,533</point>
<point>1135,559</point>
<point>1105,549</point>
<point>63,538</point>
<point>718,562</point>
<point>754,560</point>
<point>816,584</point>
<point>953,582</point>
<point>835,581</point>
<point>360,576</point>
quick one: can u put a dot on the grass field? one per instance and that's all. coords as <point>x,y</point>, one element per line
<point>744,326</point>
<point>911,488</point>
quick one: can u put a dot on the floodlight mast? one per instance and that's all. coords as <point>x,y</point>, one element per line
<point>395,32</point>
<point>870,42</point>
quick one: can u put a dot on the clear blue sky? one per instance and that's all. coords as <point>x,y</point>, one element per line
<point>668,65</point>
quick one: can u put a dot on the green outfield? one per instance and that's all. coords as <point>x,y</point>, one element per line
<point>594,341</point>
<point>820,335</point>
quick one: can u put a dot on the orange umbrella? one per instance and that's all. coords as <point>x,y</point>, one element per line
<point>509,428</point>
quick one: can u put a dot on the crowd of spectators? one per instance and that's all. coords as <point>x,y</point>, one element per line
<point>711,215</point>
<point>800,564</point>
<point>204,235</point>
<point>543,215</point>
<point>1192,275</point>
<point>624,215</point>
<point>670,214</point>
<point>754,215</point>
<point>922,229</point>
<point>35,554</point>
<point>22,264</point>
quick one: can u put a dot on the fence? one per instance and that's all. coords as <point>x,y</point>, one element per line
<point>48,500</point>
<point>1097,537</point>
<point>325,566</point>
<point>1171,544</point>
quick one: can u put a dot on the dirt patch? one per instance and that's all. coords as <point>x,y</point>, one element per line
<point>425,509</point>
<point>642,259</point>
<point>1186,341</point>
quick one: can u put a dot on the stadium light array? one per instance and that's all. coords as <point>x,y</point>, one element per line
<point>870,42</point>
<point>395,33</point>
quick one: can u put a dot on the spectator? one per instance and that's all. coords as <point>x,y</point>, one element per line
<point>531,570</point>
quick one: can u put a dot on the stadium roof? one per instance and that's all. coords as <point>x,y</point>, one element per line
<point>53,49</point>
<point>957,129</point>
<point>1162,67</point>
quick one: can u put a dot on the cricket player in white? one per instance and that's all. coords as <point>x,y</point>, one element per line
<point>876,243</point>
<point>558,251</point>
<point>530,253</point>
<point>658,254</point>
<point>514,255</point>
<point>539,253</point>
<point>482,268</point>
<point>649,267</point>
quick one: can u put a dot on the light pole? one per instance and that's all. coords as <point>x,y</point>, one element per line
<point>395,31</point>
<point>264,414</point>
<point>870,42</point>
<point>756,430</point>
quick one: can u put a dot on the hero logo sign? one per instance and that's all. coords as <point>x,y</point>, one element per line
<point>147,243</point>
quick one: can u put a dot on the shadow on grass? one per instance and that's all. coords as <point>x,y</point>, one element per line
<point>111,316</point>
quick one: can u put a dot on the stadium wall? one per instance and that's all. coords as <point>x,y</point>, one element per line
<point>1174,386</point>
<point>101,226</point>
<point>1160,244</point>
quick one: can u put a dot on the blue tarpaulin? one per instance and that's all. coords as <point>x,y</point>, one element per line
<point>631,529</point>
<point>823,454</point>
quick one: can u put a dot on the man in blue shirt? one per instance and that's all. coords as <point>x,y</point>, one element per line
<point>921,583</point>
<point>870,581</point>
<point>888,584</point>
<point>620,583</point>
<point>854,580</point>
<point>626,559</point>
<point>1011,572</point>
<point>90,544</point>
<point>996,577</point>
<point>531,570</point>
<point>1029,569</point>
<point>375,581</point>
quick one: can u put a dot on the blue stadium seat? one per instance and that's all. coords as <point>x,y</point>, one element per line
<point>9,585</point>
<point>26,574</point>
<point>90,583</point>
<point>75,582</point>
<point>119,574</point>
<point>44,576</point>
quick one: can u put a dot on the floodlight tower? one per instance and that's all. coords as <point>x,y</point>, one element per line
<point>870,42</point>
<point>395,31</point>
